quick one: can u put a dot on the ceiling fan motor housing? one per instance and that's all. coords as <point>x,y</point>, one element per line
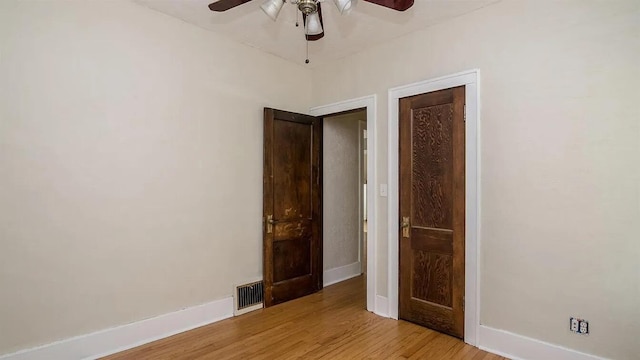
<point>308,6</point>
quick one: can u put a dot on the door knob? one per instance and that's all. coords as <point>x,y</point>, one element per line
<point>406,225</point>
<point>270,223</point>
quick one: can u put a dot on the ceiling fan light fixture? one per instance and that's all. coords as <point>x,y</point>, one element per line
<point>313,26</point>
<point>272,8</point>
<point>344,6</point>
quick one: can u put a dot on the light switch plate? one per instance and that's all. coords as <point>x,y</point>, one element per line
<point>383,190</point>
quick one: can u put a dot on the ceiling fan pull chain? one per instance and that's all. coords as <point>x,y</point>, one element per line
<point>307,60</point>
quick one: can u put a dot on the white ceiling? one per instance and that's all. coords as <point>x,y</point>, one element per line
<point>366,25</point>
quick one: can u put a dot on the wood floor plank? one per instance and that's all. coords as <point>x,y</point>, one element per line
<point>331,324</point>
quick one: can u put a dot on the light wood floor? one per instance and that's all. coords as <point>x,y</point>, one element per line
<point>331,324</point>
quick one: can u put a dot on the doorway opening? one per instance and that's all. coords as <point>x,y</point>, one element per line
<point>344,195</point>
<point>368,254</point>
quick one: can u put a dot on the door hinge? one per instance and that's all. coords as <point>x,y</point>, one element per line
<point>463,303</point>
<point>465,112</point>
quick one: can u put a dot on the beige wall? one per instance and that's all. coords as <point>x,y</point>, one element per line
<point>560,150</point>
<point>341,183</point>
<point>130,165</point>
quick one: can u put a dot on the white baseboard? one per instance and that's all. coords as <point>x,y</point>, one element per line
<point>382,306</point>
<point>518,347</point>
<point>341,273</point>
<point>109,341</point>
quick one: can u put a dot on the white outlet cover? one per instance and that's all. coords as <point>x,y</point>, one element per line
<point>579,326</point>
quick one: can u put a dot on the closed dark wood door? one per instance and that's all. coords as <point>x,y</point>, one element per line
<point>292,206</point>
<point>432,210</point>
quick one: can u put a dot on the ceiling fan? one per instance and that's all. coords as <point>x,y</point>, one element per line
<point>310,9</point>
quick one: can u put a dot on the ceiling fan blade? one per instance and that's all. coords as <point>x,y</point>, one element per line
<point>400,5</point>
<point>224,5</point>
<point>304,23</point>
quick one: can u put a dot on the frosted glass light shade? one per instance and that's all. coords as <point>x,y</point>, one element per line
<point>313,26</point>
<point>344,6</point>
<point>272,8</point>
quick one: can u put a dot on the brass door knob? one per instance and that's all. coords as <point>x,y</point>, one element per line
<point>406,226</point>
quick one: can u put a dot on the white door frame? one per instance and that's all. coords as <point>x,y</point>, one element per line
<point>362,125</point>
<point>368,102</point>
<point>471,80</point>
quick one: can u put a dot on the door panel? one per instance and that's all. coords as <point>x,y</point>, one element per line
<point>432,210</point>
<point>292,170</point>
<point>292,206</point>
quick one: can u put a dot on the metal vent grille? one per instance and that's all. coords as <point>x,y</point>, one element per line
<point>249,295</point>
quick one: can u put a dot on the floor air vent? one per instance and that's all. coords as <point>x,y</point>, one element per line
<point>249,297</point>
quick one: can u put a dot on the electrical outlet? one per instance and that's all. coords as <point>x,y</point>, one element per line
<point>574,325</point>
<point>579,326</point>
<point>584,327</point>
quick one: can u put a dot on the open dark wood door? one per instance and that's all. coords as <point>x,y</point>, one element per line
<point>292,207</point>
<point>432,210</point>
